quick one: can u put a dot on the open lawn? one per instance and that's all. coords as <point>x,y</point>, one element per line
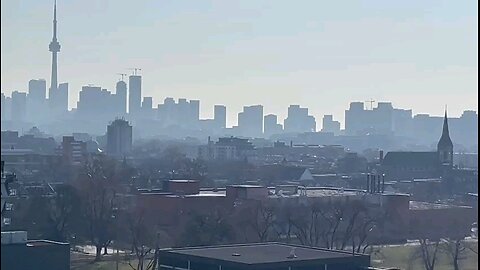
<point>388,256</point>
<point>400,257</point>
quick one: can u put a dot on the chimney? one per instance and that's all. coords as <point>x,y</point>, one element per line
<point>379,190</point>
<point>383,183</point>
<point>381,156</point>
<point>372,183</point>
<point>291,143</point>
<point>368,183</point>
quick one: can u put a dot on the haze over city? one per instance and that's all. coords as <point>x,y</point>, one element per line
<point>318,54</point>
<point>239,135</point>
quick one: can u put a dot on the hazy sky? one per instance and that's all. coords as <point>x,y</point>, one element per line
<point>319,54</point>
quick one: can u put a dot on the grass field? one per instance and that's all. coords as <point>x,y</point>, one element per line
<point>398,256</point>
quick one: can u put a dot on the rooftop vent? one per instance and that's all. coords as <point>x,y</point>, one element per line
<point>292,254</point>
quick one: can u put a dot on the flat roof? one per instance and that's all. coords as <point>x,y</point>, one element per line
<point>259,253</point>
<point>416,205</point>
<point>247,186</point>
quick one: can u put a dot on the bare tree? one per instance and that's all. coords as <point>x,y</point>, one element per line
<point>263,220</point>
<point>429,251</point>
<point>455,249</point>
<point>63,211</point>
<point>207,228</point>
<point>98,189</point>
<point>310,227</point>
<point>144,240</point>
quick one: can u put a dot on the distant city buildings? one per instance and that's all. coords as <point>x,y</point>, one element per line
<point>220,116</point>
<point>97,103</point>
<point>271,125</point>
<point>134,94</point>
<point>119,138</point>
<point>19,106</point>
<point>121,97</point>
<point>373,127</point>
<point>74,152</point>
<point>226,149</point>
<point>250,121</point>
<point>184,114</point>
<point>298,120</point>
<point>329,125</point>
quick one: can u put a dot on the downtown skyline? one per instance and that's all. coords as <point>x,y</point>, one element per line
<point>201,70</point>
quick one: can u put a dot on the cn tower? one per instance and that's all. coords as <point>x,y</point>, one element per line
<point>54,47</point>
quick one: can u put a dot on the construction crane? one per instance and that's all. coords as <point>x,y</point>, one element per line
<point>135,70</point>
<point>371,103</point>
<point>122,74</point>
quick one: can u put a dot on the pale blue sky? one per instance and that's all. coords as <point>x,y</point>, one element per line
<point>319,54</point>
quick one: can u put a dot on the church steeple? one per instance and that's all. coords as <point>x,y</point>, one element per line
<point>445,145</point>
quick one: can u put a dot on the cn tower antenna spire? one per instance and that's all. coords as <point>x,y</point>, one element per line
<point>55,20</point>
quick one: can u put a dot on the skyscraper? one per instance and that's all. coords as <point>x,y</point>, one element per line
<point>54,47</point>
<point>135,94</point>
<point>271,125</point>
<point>119,138</point>
<point>220,116</point>
<point>121,95</point>
<point>37,89</point>
<point>330,125</point>
<point>2,107</point>
<point>250,121</point>
<point>147,107</point>
<point>36,99</point>
<point>298,120</point>
<point>19,106</point>
<point>62,98</point>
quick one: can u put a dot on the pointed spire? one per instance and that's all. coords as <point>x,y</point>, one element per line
<point>55,20</point>
<point>445,140</point>
<point>445,123</point>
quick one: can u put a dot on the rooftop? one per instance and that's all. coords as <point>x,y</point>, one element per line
<point>260,253</point>
<point>416,205</point>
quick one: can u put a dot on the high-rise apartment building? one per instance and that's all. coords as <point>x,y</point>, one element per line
<point>119,138</point>
<point>250,121</point>
<point>96,102</point>
<point>220,116</point>
<point>121,95</point>
<point>271,125</point>
<point>330,125</point>
<point>36,100</point>
<point>379,120</point>
<point>19,106</point>
<point>135,94</point>
<point>3,107</point>
<point>298,120</point>
<point>74,152</point>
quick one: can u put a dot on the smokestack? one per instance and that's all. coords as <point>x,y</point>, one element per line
<point>379,189</point>
<point>368,183</point>
<point>381,156</point>
<point>291,143</point>
<point>383,183</point>
<point>373,183</point>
